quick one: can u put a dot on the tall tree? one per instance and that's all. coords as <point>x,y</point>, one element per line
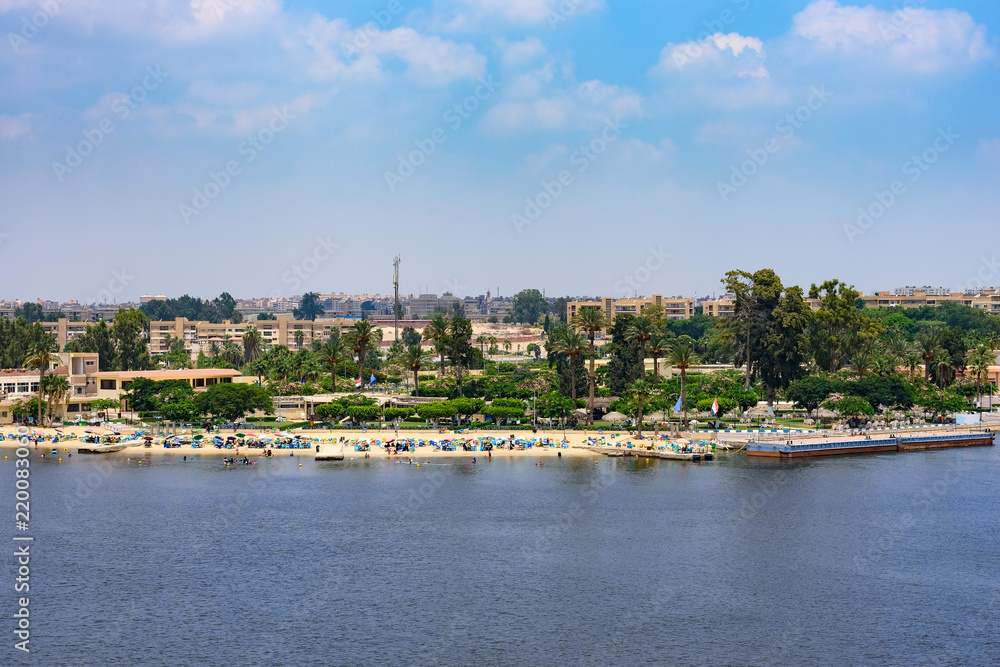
<point>129,331</point>
<point>838,327</point>
<point>640,392</point>
<point>658,346</point>
<point>572,344</point>
<point>682,357</point>
<point>413,358</point>
<point>459,346</point>
<point>626,364</point>
<point>253,344</point>
<point>786,342</point>
<point>41,357</point>
<point>309,308</point>
<point>641,329</point>
<point>331,354</point>
<point>436,331</point>
<point>363,338</point>
<point>591,321</point>
<point>756,296</point>
<point>529,306</point>
<point>98,338</point>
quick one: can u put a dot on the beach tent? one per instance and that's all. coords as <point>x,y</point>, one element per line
<point>614,417</point>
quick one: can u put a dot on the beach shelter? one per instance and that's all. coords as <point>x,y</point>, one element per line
<point>614,417</point>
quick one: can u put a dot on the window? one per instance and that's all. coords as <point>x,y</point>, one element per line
<point>109,384</point>
<point>199,382</point>
<point>22,387</point>
<point>73,407</point>
<point>34,386</point>
<point>9,387</point>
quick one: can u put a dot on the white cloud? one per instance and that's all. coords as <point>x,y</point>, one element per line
<point>475,14</point>
<point>728,56</point>
<point>161,19</point>
<point>541,93</point>
<point>14,127</point>
<point>362,54</point>
<point>989,149</point>
<point>245,119</point>
<point>911,39</point>
<point>586,107</point>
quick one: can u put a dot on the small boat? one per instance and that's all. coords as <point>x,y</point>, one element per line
<point>110,448</point>
<point>331,452</point>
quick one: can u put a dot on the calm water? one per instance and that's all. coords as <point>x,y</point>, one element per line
<point>876,560</point>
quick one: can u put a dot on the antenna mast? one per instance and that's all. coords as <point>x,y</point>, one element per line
<point>395,303</point>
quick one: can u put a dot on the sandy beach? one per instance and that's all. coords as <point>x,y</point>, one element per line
<point>576,440</point>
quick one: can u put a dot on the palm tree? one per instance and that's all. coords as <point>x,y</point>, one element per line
<point>41,357</point>
<point>56,387</point>
<point>640,392</point>
<point>641,329</point>
<point>943,369</point>
<point>213,349</point>
<point>861,363</point>
<point>911,361</point>
<point>493,343</point>
<point>299,335</point>
<point>363,338</point>
<point>437,332</point>
<point>413,358</point>
<point>572,344</point>
<point>657,346</point>
<point>980,361</point>
<point>928,346</point>
<point>591,321</point>
<point>482,340</point>
<point>232,354</point>
<point>331,354</point>
<point>507,345</point>
<point>683,357</point>
<point>253,344</point>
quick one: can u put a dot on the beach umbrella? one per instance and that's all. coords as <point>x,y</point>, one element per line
<point>199,437</point>
<point>241,435</point>
<point>614,417</point>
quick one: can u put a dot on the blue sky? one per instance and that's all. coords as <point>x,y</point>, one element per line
<point>582,147</point>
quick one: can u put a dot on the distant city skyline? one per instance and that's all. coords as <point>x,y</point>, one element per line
<point>584,147</point>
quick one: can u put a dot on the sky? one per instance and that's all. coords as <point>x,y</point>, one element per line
<point>580,147</point>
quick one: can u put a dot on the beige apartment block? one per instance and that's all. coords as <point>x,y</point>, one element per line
<point>676,308</point>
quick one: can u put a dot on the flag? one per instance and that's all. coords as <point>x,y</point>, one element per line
<point>372,381</point>
<point>715,406</point>
<point>677,408</point>
<point>357,383</point>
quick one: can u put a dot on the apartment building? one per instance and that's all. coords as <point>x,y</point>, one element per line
<point>676,308</point>
<point>198,336</point>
